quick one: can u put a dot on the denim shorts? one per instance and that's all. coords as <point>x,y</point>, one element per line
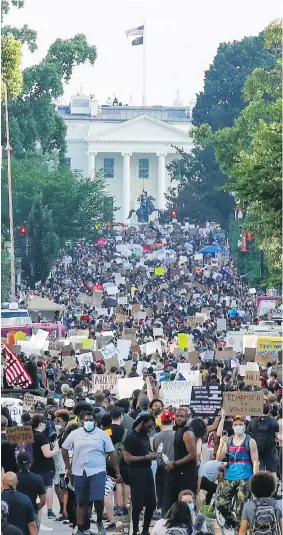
<point>89,488</point>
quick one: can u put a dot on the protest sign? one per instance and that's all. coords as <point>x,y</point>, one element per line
<point>200,318</point>
<point>69,363</point>
<point>191,322</point>
<point>176,393</point>
<point>122,300</point>
<point>140,315</point>
<point>193,378</point>
<point>157,331</point>
<point>136,307</point>
<point>193,357</point>
<point>149,312</point>
<point>244,403</point>
<point>206,400</point>
<point>225,354</point>
<point>15,407</point>
<point>85,360</point>
<point>128,385</point>
<point>206,312</point>
<point>30,400</point>
<point>88,343</point>
<point>159,271</point>
<point>129,334</point>
<point>183,340</point>
<point>249,354</point>
<point>152,347</point>
<point>121,318</point>
<point>221,324</point>
<point>105,382</point>
<point>20,435</point>
<point>123,348</point>
<point>252,378</point>
<point>109,351</point>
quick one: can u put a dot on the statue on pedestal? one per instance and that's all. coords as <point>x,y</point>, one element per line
<point>146,208</point>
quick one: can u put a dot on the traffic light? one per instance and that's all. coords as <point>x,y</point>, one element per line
<point>174,213</point>
<point>23,231</point>
<point>250,237</point>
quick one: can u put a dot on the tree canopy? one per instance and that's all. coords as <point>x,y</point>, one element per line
<point>250,152</point>
<point>199,194</point>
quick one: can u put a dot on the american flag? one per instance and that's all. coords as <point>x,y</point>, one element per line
<point>135,31</point>
<point>15,372</point>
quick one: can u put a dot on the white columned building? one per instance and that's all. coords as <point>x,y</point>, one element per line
<point>130,145</point>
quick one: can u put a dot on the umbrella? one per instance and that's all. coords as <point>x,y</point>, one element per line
<point>211,249</point>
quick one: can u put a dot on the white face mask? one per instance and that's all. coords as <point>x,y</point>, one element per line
<point>239,429</point>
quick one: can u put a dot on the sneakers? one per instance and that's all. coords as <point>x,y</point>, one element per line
<point>44,529</point>
<point>50,514</point>
<point>114,526</point>
<point>101,529</point>
<point>156,515</point>
<point>61,518</point>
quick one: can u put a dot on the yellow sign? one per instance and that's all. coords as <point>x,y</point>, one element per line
<point>87,344</point>
<point>183,340</point>
<point>159,271</point>
<point>268,345</point>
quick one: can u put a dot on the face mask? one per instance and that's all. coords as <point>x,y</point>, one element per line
<point>191,506</point>
<point>88,426</point>
<point>58,428</point>
<point>239,429</point>
<point>156,412</point>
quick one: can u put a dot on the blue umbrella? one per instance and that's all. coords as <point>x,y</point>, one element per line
<point>211,249</point>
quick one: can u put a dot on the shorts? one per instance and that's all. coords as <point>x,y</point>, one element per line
<point>47,478</point>
<point>89,488</point>
<point>142,487</point>
<point>269,461</point>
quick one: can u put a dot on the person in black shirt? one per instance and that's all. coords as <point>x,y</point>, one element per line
<point>43,463</point>
<point>30,484</point>
<point>21,512</point>
<point>139,456</point>
<point>182,473</point>
<point>6,527</point>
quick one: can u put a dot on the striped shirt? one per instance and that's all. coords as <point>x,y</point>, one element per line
<point>240,465</point>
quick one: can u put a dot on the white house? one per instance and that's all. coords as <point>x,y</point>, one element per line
<point>131,144</point>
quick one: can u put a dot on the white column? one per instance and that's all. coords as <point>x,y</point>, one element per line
<point>161,201</point>
<point>126,185</point>
<point>91,163</point>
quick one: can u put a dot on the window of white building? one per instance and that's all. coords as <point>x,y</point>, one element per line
<point>143,168</point>
<point>108,167</point>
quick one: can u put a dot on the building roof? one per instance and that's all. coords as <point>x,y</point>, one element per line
<point>125,113</point>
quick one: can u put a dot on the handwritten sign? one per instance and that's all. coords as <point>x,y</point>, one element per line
<point>252,378</point>
<point>121,318</point>
<point>109,351</point>
<point>20,435</point>
<point>176,393</point>
<point>105,382</point>
<point>129,334</point>
<point>30,401</point>
<point>69,363</point>
<point>244,403</point>
<point>191,322</point>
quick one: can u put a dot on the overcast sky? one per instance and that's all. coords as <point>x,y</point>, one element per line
<point>182,37</point>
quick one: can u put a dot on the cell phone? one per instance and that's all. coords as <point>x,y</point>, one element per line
<point>224,433</point>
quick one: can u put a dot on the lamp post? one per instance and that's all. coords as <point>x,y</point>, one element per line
<point>10,195</point>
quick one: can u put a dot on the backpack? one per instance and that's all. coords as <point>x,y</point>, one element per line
<point>265,520</point>
<point>261,433</point>
<point>177,531</point>
<point>120,447</point>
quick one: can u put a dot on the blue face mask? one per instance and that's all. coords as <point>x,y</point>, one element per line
<point>191,506</point>
<point>89,426</point>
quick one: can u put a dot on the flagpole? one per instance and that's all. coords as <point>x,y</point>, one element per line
<point>144,93</point>
<point>10,199</point>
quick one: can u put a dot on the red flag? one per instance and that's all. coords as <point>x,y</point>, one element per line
<point>16,374</point>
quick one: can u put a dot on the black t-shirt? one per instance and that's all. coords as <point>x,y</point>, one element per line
<point>40,463</point>
<point>31,485</point>
<point>139,446</point>
<point>21,511</point>
<point>9,529</point>
<point>117,433</point>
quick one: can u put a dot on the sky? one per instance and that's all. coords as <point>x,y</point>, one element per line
<point>182,37</point>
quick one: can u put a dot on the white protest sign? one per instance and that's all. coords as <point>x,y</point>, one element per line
<point>152,347</point>
<point>85,360</point>
<point>109,351</point>
<point>102,311</point>
<point>15,407</point>
<point>193,378</point>
<point>30,400</point>
<point>105,382</point>
<point>142,365</point>
<point>123,347</point>
<point>127,386</point>
<point>221,324</point>
<point>122,300</point>
<point>176,393</point>
<point>112,290</point>
<point>157,331</point>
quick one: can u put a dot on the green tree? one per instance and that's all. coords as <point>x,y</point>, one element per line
<point>42,243</point>
<point>250,153</point>
<point>11,55</point>
<point>200,179</point>
<point>77,204</point>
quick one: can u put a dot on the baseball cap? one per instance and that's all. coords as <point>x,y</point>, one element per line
<point>69,403</point>
<point>238,417</point>
<point>167,416</point>
<point>39,406</point>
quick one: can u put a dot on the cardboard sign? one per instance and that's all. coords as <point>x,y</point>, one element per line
<point>136,307</point>
<point>252,378</point>
<point>225,354</point>
<point>121,318</point>
<point>105,382</point>
<point>244,403</point>
<point>30,400</point>
<point>20,435</point>
<point>193,357</point>
<point>149,312</point>
<point>206,400</point>
<point>176,393</point>
<point>249,354</point>
<point>200,318</point>
<point>129,334</point>
<point>191,322</point>
<point>69,363</point>
<point>221,324</point>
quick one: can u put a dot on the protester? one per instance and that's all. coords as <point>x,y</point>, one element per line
<point>32,485</point>
<point>6,527</point>
<point>21,513</point>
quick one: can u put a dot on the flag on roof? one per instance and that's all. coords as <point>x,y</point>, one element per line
<point>135,31</point>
